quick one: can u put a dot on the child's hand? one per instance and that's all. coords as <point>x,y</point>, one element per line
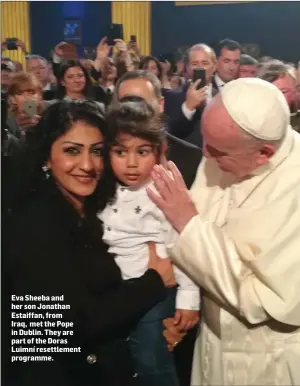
<point>186,319</point>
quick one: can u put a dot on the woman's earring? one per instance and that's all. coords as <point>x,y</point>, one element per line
<point>46,171</point>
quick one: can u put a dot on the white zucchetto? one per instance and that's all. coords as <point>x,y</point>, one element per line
<point>258,107</point>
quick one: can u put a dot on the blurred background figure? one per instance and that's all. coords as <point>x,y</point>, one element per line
<point>25,101</point>
<point>248,67</point>
<point>284,78</point>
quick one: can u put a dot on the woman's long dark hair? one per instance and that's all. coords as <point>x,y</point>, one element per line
<point>28,177</point>
<point>64,66</point>
<point>146,60</point>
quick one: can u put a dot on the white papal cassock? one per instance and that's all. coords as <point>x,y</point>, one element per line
<point>244,250</point>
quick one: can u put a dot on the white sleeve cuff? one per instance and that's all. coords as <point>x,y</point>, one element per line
<point>56,58</point>
<point>188,299</point>
<point>187,112</point>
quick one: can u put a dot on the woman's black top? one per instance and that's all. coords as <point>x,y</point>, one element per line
<point>47,249</point>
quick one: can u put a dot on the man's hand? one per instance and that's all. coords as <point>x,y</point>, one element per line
<point>194,98</point>
<point>22,45</point>
<point>103,49</point>
<point>134,47</point>
<point>173,199</point>
<point>186,319</point>
<point>172,334</point>
<point>121,46</point>
<point>3,45</point>
<point>58,49</point>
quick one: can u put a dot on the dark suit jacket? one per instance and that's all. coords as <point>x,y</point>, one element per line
<point>178,124</point>
<point>185,156</point>
<point>215,86</point>
<point>48,250</point>
<point>48,95</point>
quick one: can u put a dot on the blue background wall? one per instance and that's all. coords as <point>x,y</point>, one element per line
<point>47,22</point>
<point>273,25</point>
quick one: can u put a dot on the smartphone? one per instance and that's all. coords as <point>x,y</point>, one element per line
<point>30,107</point>
<point>133,38</point>
<point>115,31</point>
<point>11,44</point>
<point>199,73</point>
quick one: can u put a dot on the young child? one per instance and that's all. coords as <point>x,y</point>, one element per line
<point>136,140</point>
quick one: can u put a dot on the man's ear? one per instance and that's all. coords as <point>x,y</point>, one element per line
<point>164,148</point>
<point>163,155</point>
<point>267,151</point>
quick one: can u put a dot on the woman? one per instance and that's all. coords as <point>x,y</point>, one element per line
<point>52,245</point>
<point>74,81</point>
<point>24,91</point>
<point>152,64</point>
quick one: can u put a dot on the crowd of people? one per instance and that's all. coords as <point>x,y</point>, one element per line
<point>164,207</point>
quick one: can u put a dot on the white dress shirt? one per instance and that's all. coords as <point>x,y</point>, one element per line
<point>109,89</point>
<point>219,82</point>
<point>132,221</point>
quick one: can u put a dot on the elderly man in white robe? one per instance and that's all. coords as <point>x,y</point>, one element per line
<point>240,238</point>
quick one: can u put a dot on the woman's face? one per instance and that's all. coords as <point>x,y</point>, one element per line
<point>26,92</point>
<point>76,161</point>
<point>74,80</point>
<point>152,67</point>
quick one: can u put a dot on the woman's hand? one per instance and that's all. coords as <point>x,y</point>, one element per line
<point>163,267</point>
<point>174,199</point>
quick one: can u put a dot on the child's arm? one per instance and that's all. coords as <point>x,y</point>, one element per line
<point>187,301</point>
<point>188,293</point>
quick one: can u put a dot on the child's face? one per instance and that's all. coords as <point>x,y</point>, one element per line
<point>132,160</point>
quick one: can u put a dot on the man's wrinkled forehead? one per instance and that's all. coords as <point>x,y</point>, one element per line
<point>137,87</point>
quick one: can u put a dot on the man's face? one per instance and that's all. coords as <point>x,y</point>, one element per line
<point>5,77</point>
<point>223,142</point>
<point>287,85</point>
<point>248,71</point>
<point>109,70</point>
<point>228,64</point>
<point>141,88</point>
<point>202,59</point>
<point>39,68</point>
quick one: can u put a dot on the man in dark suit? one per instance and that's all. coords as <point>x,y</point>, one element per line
<point>38,66</point>
<point>187,158</point>
<point>228,54</point>
<point>106,82</point>
<point>184,107</point>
